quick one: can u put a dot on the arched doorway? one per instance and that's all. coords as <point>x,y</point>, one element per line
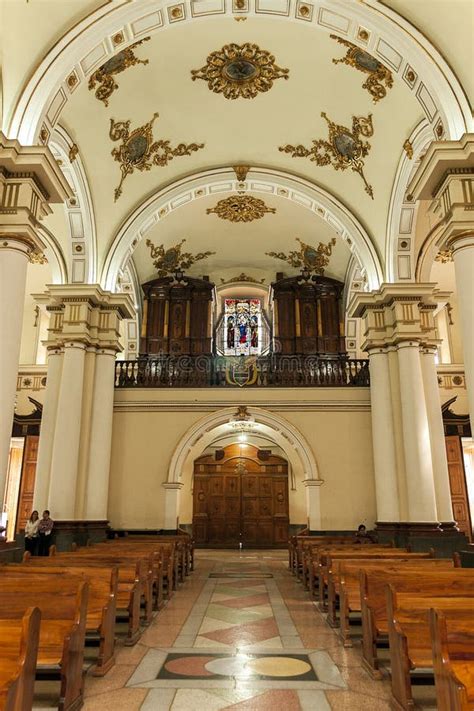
<point>240,495</point>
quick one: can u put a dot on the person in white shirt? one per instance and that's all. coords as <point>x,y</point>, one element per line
<point>31,533</point>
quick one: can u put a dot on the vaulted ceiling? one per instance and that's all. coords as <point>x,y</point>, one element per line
<point>222,132</point>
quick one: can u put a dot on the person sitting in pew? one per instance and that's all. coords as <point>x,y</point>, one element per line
<point>31,533</point>
<point>45,529</point>
<point>363,536</point>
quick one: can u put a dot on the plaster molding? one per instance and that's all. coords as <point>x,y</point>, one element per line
<point>223,416</point>
<point>260,180</point>
<point>392,39</point>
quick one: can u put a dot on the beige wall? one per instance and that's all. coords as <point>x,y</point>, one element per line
<point>148,425</point>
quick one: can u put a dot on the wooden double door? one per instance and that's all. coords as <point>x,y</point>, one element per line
<point>240,495</point>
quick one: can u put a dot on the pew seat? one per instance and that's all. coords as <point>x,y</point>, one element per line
<point>18,658</point>
<point>453,660</point>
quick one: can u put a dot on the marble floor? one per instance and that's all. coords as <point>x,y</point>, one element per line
<point>242,634</point>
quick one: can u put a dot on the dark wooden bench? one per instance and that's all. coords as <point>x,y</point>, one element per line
<point>452,643</point>
<point>409,636</point>
<point>458,582</point>
<point>20,641</point>
<point>63,609</point>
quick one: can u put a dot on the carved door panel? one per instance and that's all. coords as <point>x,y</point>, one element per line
<point>28,476</point>
<point>457,483</point>
<point>249,508</point>
<point>200,504</point>
<point>232,508</point>
<point>280,510</point>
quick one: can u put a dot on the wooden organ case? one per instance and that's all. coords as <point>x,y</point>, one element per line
<point>240,495</point>
<point>177,317</point>
<point>307,317</point>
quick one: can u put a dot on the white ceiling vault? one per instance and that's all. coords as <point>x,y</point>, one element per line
<point>101,232</point>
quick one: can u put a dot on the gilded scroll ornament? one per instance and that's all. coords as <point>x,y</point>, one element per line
<point>104,75</point>
<point>242,277</point>
<point>408,148</point>
<point>240,208</point>
<point>344,148</point>
<point>139,151</point>
<point>173,260</point>
<point>73,152</point>
<point>365,62</point>
<point>240,71</point>
<point>309,259</point>
<point>444,256</point>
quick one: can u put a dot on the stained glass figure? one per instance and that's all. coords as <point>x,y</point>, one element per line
<point>243,325</point>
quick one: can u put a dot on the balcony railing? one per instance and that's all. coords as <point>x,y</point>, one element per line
<point>241,371</point>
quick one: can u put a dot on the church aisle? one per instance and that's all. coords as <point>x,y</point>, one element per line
<point>240,634</point>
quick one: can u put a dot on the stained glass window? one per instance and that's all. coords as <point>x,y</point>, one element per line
<point>243,326</point>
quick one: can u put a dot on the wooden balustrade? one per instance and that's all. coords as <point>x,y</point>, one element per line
<point>222,371</point>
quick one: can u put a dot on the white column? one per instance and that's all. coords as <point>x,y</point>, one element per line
<point>438,447</point>
<point>64,460</point>
<point>48,425</point>
<point>14,257</point>
<point>463,255</point>
<point>172,490</point>
<point>416,435</point>
<point>383,438</point>
<point>313,503</point>
<point>100,442</point>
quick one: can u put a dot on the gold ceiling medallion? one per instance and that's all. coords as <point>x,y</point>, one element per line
<point>104,75</point>
<point>240,208</point>
<point>173,261</point>
<point>444,256</point>
<point>139,151</point>
<point>242,277</point>
<point>343,149</point>
<point>408,148</point>
<point>309,259</point>
<point>365,62</point>
<point>240,71</point>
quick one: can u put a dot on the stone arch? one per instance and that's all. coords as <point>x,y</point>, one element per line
<point>265,180</point>
<point>372,26</point>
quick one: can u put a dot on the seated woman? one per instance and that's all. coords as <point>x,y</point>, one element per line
<point>31,533</point>
<point>44,530</point>
<point>363,536</point>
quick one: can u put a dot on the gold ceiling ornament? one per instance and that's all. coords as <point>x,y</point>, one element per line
<point>240,71</point>
<point>309,259</point>
<point>444,256</point>
<point>241,172</point>
<point>173,260</point>
<point>104,75</point>
<point>139,151</point>
<point>73,152</point>
<point>242,277</point>
<point>240,208</point>
<point>38,258</point>
<point>365,62</point>
<point>408,148</point>
<point>343,149</point>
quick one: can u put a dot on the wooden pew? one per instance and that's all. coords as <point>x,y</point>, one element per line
<point>453,660</point>
<point>133,577</point>
<point>325,558</point>
<point>348,570</point>
<point>101,604</point>
<point>62,632</point>
<point>409,635</point>
<point>20,640</point>
<point>458,582</point>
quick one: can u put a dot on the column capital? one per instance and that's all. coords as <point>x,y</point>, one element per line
<point>173,485</point>
<point>31,247</point>
<point>398,313</point>
<point>313,482</point>
<point>86,313</point>
<point>30,180</point>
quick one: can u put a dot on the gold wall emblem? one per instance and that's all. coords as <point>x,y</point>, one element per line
<point>139,151</point>
<point>343,149</point>
<point>408,148</point>
<point>240,71</point>
<point>309,259</point>
<point>240,208</point>
<point>173,260</point>
<point>445,256</point>
<point>104,75</point>
<point>365,62</point>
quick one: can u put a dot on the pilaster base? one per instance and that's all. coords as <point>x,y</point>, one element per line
<point>445,538</point>
<point>79,532</point>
